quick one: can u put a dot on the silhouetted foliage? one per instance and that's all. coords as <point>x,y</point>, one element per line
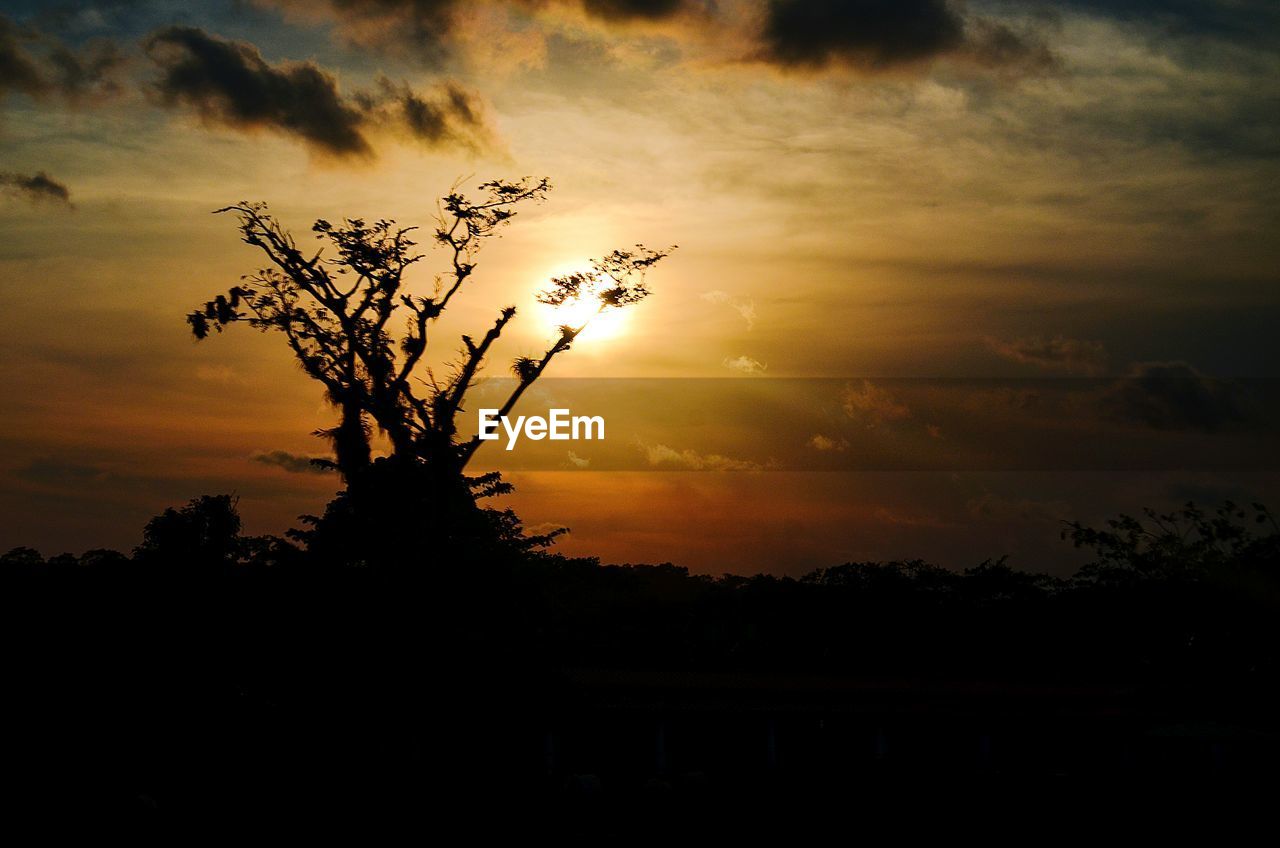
<point>1186,544</point>
<point>212,671</point>
<point>202,534</point>
<point>395,512</point>
<point>341,317</point>
<point>21,558</point>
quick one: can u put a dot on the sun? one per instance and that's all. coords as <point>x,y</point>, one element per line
<point>600,326</point>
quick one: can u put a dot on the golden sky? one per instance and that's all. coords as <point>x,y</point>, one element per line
<point>863,191</point>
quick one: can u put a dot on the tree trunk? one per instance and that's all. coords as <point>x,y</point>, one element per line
<point>351,441</point>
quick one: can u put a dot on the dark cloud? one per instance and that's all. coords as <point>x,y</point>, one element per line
<point>447,114</point>
<point>1079,356</point>
<point>625,10</point>
<point>868,33</point>
<point>37,188</point>
<point>38,65</point>
<point>229,83</point>
<point>428,120</point>
<point>19,69</point>
<point>1173,396</point>
<point>879,35</point>
<point>290,462</point>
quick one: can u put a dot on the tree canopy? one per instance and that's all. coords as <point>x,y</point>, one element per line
<point>355,324</point>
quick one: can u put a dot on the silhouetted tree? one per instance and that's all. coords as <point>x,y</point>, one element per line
<point>204,533</point>
<point>22,557</point>
<point>994,581</point>
<point>338,316</point>
<point>103,559</point>
<point>1186,544</point>
<point>354,325</point>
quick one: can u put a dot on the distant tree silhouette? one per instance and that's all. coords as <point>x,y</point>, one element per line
<point>21,557</point>
<point>339,316</point>
<point>204,533</point>
<point>1187,544</point>
<point>103,559</point>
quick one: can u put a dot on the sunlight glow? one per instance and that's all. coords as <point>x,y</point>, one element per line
<point>610,324</point>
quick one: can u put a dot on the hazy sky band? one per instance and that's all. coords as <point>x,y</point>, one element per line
<point>1166,420</point>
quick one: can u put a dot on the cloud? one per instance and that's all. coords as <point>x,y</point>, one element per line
<point>19,69</point>
<point>431,30</point>
<point>416,27</point>
<point>291,462</point>
<point>447,114</point>
<point>745,308</point>
<point>576,461</point>
<point>630,10</point>
<point>881,35</point>
<point>1078,356</point>
<point>745,364</point>
<point>992,44</point>
<point>827,444</point>
<point>38,65</point>
<point>38,188</point>
<point>58,472</point>
<point>1172,396</point>
<point>229,83</point>
<point>1247,22</point>
<point>872,405</point>
<point>868,35</point>
<point>90,73</point>
<point>546,528</point>
<point>691,460</point>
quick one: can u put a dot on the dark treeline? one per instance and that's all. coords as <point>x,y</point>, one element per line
<point>1185,597</point>
<point>209,671</point>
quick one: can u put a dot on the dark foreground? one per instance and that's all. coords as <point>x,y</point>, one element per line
<point>590,699</point>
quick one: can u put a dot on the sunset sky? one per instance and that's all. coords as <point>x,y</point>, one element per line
<point>1083,194</point>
